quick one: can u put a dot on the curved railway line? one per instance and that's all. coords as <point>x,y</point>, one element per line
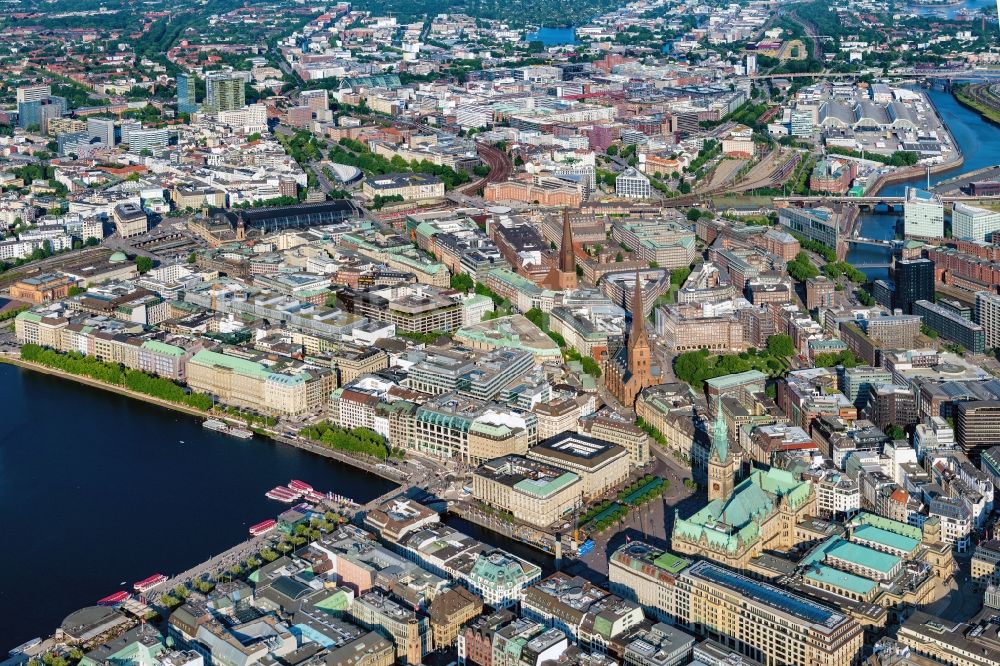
<point>985,93</point>
<point>500,169</point>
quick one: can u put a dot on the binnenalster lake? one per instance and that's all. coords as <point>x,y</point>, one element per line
<point>97,488</point>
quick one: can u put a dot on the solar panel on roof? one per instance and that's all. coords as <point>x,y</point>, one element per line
<point>772,596</point>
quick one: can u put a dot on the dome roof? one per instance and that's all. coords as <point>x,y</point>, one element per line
<point>118,257</point>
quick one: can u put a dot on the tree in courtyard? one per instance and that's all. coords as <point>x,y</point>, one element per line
<point>895,431</point>
<point>462,282</point>
<point>679,275</point>
<point>143,264</point>
<point>781,345</point>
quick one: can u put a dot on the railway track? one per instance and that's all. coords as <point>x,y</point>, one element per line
<point>987,94</point>
<point>500,169</point>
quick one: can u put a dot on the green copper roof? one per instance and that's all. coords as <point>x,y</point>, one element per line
<point>720,439</point>
<point>738,379</point>
<point>734,522</point>
<point>546,487</point>
<point>503,572</point>
<point>162,348</point>
<point>842,579</point>
<point>886,538</point>
<point>888,525</point>
<point>431,267</point>
<point>854,553</point>
<point>670,562</point>
<point>237,365</point>
<point>490,429</point>
<point>516,281</point>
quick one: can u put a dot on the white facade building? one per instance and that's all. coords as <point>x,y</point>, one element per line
<point>923,214</point>
<point>988,316</point>
<point>973,224</point>
<point>632,185</point>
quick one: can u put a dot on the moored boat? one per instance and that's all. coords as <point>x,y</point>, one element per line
<point>149,583</point>
<point>114,599</point>
<point>263,527</point>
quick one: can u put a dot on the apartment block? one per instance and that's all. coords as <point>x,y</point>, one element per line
<point>409,630</point>
<point>973,224</point>
<point>247,383</point>
<point>952,326</point>
<point>988,316</point>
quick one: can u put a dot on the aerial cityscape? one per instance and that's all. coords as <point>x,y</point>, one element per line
<point>477,333</point>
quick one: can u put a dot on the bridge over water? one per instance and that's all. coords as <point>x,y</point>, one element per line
<point>873,201</point>
<point>856,240</point>
<point>896,74</point>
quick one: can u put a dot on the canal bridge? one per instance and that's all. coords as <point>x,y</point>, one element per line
<point>951,74</point>
<point>871,202</point>
<point>857,240</point>
<point>863,266</point>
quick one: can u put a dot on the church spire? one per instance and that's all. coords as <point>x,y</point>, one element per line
<point>720,438</point>
<point>638,313</point>
<point>567,258</point>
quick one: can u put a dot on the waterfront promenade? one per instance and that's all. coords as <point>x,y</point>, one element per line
<point>382,469</point>
<point>110,465</point>
<point>215,566</point>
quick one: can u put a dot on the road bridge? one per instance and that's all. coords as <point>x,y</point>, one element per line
<point>858,201</point>
<point>870,241</point>
<point>897,74</point>
<point>867,202</point>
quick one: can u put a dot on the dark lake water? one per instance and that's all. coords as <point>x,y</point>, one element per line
<point>97,488</point>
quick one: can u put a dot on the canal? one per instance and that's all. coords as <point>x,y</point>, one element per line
<point>491,538</point>
<point>97,488</point>
<point>980,145</point>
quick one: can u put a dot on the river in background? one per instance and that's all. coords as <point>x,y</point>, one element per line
<point>951,11</point>
<point>97,488</point>
<point>553,36</point>
<point>979,142</point>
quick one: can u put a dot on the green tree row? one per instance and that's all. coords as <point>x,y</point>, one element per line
<point>822,250</point>
<point>845,358</point>
<point>10,314</point>
<point>837,268</point>
<point>801,269</point>
<point>899,158</point>
<point>356,153</point>
<point>652,431</point>
<point>356,440</point>
<point>113,373</point>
